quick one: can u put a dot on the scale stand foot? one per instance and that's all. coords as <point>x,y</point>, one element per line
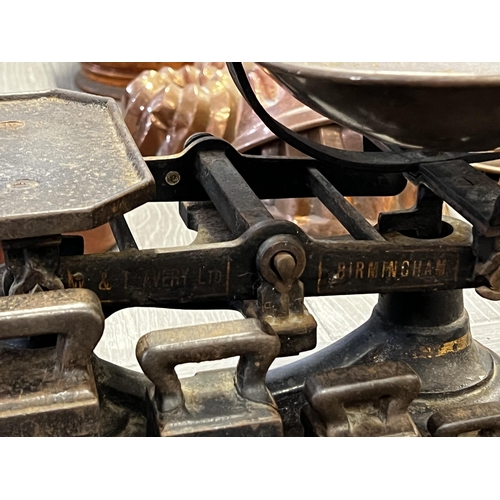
<point>429,331</point>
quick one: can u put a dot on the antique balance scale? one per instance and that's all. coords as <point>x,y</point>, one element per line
<point>69,164</point>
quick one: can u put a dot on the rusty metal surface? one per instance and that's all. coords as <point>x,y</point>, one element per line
<point>220,403</point>
<point>213,408</point>
<point>474,420</point>
<point>122,398</point>
<point>47,387</point>
<point>366,400</point>
<point>67,162</point>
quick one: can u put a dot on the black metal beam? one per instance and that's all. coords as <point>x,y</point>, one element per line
<point>268,177</point>
<point>348,216</point>
<point>223,272</point>
<point>238,205</point>
<point>123,236</point>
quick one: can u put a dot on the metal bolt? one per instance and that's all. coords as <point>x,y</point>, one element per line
<point>284,263</point>
<point>173,178</point>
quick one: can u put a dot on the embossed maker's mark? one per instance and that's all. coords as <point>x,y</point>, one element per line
<point>392,269</point>
<point>214,276</point>
<point>387,270</point>
<point>166,278</point>
<point>209,276</point>
<point>176,278</point>
<point>104,283</point>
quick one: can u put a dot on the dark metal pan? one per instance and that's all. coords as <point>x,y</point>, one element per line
<point>437,106</point>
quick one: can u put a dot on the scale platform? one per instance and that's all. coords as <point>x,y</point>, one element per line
<point>68,163</point>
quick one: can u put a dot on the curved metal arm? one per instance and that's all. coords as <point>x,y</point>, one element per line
<point>404,161</point>
<point>160,352</point>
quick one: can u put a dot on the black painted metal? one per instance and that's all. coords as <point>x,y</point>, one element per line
<point>265,175</point>
<point>236,202</point>
<point>470,192</point>
<point>123,236</point>
<point>424,220</point>
<point>226,271</point>
<point>348,216</point>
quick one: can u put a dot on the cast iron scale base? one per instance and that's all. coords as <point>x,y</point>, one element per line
<point>412,369</point>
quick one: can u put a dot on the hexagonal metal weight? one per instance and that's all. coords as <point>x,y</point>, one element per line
<point>67,163</point>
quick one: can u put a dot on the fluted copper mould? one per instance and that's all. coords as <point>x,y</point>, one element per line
<point>163,108</point>
<point>111,78</point>
<point>251,131</point>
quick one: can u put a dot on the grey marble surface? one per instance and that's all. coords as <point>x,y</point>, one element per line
<point>159,225</point>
